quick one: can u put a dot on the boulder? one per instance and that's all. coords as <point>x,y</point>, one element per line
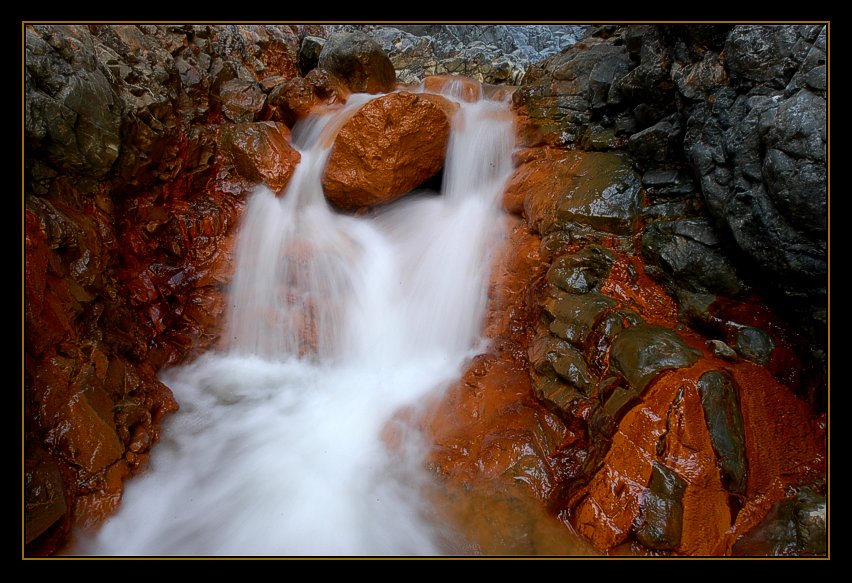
<point>359,62</point>
<point>241,100</point>
<point>721,404</point>
<point>388,147</point>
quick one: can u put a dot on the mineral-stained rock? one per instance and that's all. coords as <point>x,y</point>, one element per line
<point>574,315</point>
<point>387,148</point>
<point>261,152</point>
<point>241,100</point>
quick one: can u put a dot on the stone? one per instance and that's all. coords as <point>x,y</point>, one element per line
<point>387,148</point>
<point>261,152</point>
<point>241,100</point>
<point>641,352</point>
<point>658,143</point>
<point>583,271</point>
<point>765,53</point>
<point>295,98</point>
<point>660,519</point>
<point>754,344</point>
<point>722,350</point>
<point>309,53</point>
<point>687,253</point>
<point>359,62</point>
<point>574,316</point>
<point>721,404</point>
<point>795,526</point>
<point>44,494</point>
<point>605,194</point>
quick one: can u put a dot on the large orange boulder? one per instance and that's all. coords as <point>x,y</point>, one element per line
<point>390,146</point>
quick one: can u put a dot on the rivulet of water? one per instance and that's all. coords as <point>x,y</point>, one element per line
<point>336,324</point>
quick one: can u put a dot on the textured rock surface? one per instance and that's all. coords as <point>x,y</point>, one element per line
<point>358,61</point>
<point>487,53</point>
<point>387,148</point>
<point>131,197</point>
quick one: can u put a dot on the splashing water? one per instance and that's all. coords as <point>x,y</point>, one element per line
<point>337,323</point>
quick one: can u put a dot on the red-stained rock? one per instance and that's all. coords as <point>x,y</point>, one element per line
<point>295,98</point>
<point>241,100</point>
<point>261,152</point>
<point>387,148</point>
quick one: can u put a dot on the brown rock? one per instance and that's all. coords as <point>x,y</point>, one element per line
<point>296,97</point>
<point>390,146</point>
<point>261,152</point>
<point>241,100</point>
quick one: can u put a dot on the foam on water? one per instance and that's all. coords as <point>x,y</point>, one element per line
<point>336,324</point>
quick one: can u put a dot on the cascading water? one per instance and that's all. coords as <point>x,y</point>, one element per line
<point>337,323</point>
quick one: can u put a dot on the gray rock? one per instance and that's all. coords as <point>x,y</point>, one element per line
<point>722,350</point>
<point>358,61</point>
<point>686,253</point>
<point>754,344</point>
<point>72,112</point>
<point>660,521</point>
<point>309,53</point>
<point>794,527</point>
<point>721,403</point>
<point>657,143</point>
<point>604,419</point>
<point>641,352</point>
<point>767,53</point>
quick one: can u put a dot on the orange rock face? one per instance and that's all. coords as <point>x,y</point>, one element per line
<point>389,147</point>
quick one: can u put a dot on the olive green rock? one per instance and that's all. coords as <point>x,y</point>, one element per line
<point>641,352</point>
<point>721,403</point>
<point>660,520</point>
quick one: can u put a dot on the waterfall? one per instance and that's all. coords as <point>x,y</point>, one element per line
<point>286,441</point>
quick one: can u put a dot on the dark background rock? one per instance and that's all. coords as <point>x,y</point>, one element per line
<point>738,113</point>
<point>359,62</point>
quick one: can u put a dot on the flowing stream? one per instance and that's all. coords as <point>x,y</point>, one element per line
<point>337,323</point>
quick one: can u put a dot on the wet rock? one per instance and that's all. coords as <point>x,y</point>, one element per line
<point>660,519</point>
<point>721,403</point>
<point>309,53</point>
<point>767,53</point>
<point>561,375</point>
<point>72,111</point>
<point>560,92</point>
<point>390,146</point>
<point>44,500</point>
<point>295,98</point>
<point>537,186</point>
<point>687,253</point>
<point>795,526</point>
<point>581,272</point>
<point>658,143</point>
<point>604,420</point>
<point>574,316</point>
<point>241,100</point>
<point>604,194</point>
<point>641,352</point>
<point>722,350</point>
<point>754,344</point>
<point>359,62</point>
<point>261,152</point>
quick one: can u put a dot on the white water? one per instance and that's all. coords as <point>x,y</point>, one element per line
<point>277,448</point>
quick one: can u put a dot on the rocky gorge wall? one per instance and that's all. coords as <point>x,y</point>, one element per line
<point>636,371</point>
